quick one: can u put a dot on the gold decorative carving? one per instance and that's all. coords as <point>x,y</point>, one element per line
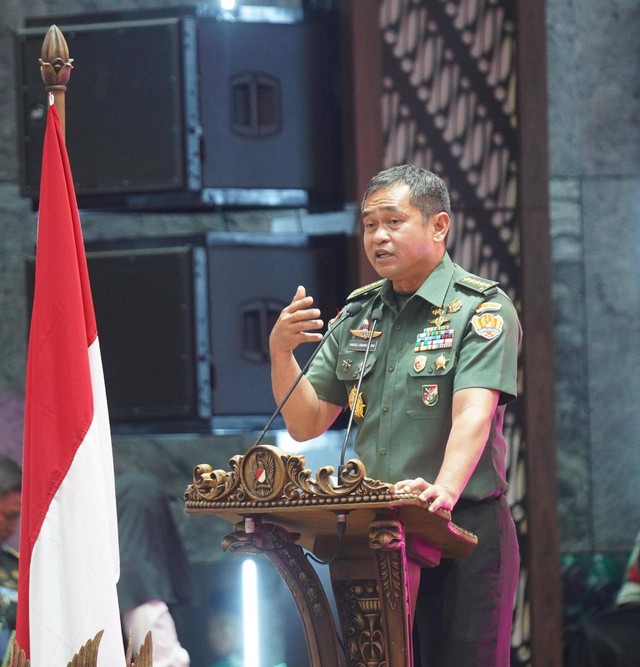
<point>87,656</point>
<point>268,476</point>
<point>387,539</point>
<point>362,623</point>
<point>55,64</point>
<point>18,658</point>
<point>145,654</point>
<point>262,472</point>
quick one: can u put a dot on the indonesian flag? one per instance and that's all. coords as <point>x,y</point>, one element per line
<point>69,559</point>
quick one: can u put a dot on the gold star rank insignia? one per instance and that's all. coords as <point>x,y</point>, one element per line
<point>360,406</point>
<point>441,362</point>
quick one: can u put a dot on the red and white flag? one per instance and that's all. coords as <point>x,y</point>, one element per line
<point>69,560</point>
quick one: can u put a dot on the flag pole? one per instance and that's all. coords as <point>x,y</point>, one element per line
<point>55,69</point>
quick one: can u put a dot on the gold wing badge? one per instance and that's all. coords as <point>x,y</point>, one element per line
<point>365,331</point>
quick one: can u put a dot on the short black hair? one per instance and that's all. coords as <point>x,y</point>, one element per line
<point>10,475</point>
<point>427,190</point>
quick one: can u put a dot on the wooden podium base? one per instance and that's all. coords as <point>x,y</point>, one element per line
<point>374,541</point>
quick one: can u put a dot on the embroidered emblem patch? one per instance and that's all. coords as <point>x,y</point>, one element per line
<point>434,338</point>
<point>487,325</point>
<point>429,394</point>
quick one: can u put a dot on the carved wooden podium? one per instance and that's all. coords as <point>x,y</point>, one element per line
<point>375,543</point>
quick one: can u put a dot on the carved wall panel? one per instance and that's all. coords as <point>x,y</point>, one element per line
<point>449,105</point>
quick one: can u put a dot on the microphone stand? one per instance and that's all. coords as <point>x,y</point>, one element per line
<point>376,316</point>
<point>341,521</point>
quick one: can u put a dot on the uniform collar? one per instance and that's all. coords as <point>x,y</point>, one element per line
<point>433,289</point>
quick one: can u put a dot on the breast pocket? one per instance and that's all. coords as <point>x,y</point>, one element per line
<point>430,387</point>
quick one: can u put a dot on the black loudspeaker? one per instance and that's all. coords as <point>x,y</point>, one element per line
<point>125,108</point>
<point>149,311</point>
<point>196,110</point>
<point>269,107</point>
<point>251,278</point>
<point>184,323</point>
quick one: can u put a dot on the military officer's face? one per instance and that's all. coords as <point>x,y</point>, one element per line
<point>400,245</point>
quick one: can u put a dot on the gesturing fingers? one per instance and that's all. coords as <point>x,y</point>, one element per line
<point>298,323</point>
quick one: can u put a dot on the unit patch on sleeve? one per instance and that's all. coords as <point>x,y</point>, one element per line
<point>487,325</point>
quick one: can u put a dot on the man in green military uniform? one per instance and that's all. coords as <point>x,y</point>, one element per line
<point>441,367</point>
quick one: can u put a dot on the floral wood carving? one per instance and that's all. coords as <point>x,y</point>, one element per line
<point>266,475</point>
<point>387,539</point>
<point>359,606</point>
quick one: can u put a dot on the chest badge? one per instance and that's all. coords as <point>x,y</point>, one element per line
<point>429,394</point>
<point>439,321</point>
<point>441,362</point>
<point>419,363</point>
<point>365,331</point>
<point>454,306</point>
<point>346,365</point>
<point>360,407</point>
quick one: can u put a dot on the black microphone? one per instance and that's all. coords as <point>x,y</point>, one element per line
<point>376,316</point>
<point>349,311</point>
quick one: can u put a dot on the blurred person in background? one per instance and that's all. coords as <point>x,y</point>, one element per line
<point>154,570</point>
<point>610,638</point>
<point>10,504</point>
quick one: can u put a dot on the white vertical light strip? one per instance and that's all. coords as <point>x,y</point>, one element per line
<point>250,613</point>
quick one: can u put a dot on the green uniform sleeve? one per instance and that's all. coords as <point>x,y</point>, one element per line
<point>322,374</point>
<point>489,351</point>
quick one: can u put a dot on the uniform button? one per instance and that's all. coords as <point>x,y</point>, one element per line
<point>385,408</point>
<point>430,369</point>
<point>391,368</point>
<point>397,327</point>
<point>383,451</point>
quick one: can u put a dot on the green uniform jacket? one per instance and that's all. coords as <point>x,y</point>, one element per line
<point>457,331</point>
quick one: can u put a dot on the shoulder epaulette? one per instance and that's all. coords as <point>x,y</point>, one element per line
<point>365,289</point>
<point>480,285</point>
